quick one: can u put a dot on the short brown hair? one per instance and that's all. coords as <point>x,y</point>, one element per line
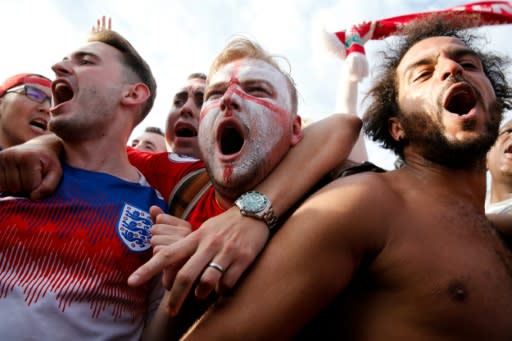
<point>132,60</point>
<point>154,130</point>
<point>195,75</point>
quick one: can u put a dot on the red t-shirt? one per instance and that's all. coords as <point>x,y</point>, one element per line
<point>164,170</point>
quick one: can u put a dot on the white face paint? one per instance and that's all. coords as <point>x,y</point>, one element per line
<point>246,124</point>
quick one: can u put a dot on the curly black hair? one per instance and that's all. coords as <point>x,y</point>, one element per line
<point>383,95</point>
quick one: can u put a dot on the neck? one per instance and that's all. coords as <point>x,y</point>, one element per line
<point>468,183</point>
<point>223,201</point>
<point>500,189</point>
<point>104,156</point>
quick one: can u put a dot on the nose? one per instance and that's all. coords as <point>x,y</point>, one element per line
<point>230,101</point>
<point>45,108</point>
<point>189,110</point>
<point>450,68</point>
<point>62,68</point>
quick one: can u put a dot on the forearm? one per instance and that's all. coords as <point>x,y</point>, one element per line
<point>166,328</point>
<point>32,168</point>
<point>346,102</point>
<point>50,142</point>
<point>326,144</point>
<point>283,290</point>
<point>158,328</point>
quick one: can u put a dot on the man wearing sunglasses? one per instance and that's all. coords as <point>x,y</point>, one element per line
<point>25,101</point>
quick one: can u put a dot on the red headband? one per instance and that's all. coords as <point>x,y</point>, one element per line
<point>24,78</point>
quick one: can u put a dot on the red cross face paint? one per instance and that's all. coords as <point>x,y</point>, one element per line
<point>246,123</point>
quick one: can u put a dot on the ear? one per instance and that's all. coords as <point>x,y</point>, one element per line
<point>296,131</point>
<point>135,94</point>
<point>395,129</point>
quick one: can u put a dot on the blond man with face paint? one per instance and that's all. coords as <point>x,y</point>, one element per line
<point>250,111</point>
<point>248,123</point>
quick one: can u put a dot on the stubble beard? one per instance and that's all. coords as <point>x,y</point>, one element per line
<point>421,130</point>
<point>81,126</point>
<point>244,176</point>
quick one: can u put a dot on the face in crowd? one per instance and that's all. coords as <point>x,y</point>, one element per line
<point>25,101</point>
<point>499,158</point>
<point>448,106</point>
<point>101,90</point>
<point>247,125</point>
<point>183,120</point>
<point>150,142</point>
<point>439,97</point>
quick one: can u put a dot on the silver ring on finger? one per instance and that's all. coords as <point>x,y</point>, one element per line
<point>217,267</point>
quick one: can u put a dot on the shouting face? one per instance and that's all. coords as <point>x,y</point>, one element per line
<point>449,113</point>
<point>87,92</point>
<point>183,119</point>
<point>24,113</point>
<point>246,124</point>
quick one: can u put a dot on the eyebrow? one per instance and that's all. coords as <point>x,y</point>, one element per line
<point>82,54</point>
<point>248,82</point>
<point>454,53</point>
<point>181,94</point>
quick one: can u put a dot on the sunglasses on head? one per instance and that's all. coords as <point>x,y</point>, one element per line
<point>33,93</point>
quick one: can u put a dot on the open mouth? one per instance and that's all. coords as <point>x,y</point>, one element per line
<point>508,150</point>
<point>39,124</point>
<point>231,139</point>
<point>62,92</point>
<point>185,130</point>
<point>460,99</point>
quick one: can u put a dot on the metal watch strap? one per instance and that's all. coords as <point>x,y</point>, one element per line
<point>270,218</point>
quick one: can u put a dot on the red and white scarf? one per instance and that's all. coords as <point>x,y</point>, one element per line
<point>349,44</point>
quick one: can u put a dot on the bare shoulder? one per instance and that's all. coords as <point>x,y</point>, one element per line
<point>350,211</point>
<point>365,190</point>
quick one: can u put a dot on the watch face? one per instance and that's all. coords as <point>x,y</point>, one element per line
<point>254,202</point>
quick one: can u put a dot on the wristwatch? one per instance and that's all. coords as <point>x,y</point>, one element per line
<point>257,205</point>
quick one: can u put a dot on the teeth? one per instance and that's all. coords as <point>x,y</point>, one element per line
<point>39,124</point>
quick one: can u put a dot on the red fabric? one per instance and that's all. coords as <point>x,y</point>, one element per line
<point>163,174</point>
<point>490,13</point>
<point>24,78</point>
<point>160,171</point>
<point>206,208</point>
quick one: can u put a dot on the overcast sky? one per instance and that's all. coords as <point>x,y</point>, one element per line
<point>178,37</point>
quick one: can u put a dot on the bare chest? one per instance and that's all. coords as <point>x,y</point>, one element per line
<point>449,267</point>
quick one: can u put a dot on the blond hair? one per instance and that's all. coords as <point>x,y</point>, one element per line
<point>241,47</point>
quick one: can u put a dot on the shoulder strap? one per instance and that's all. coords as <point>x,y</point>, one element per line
<point>187,192</point>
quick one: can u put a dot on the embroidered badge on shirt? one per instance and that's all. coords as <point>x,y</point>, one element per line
<point>134,228</point>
